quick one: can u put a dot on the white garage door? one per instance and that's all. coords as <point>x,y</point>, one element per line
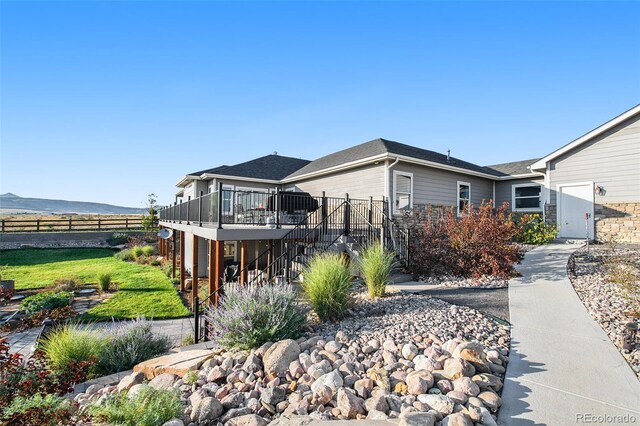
<point>574,201</point>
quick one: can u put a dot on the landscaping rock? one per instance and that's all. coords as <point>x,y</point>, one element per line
<point>456,419</point>
<point>440,403</point>
<point>332,380</point>
<point>163,381</point>
<point>278,357</point>
<point>206,409</point>
<point>174,422</point>
<point>417,419</point>
<point>128,381</point>
<point>272,396</point>
<point>179,363</point>
<point>349,404</point>
<point>247,420</point>
<point>419,382</point>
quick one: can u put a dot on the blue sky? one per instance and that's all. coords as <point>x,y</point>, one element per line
<point>109,101</point>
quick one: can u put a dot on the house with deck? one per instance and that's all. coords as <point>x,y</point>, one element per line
<point>265,217</point>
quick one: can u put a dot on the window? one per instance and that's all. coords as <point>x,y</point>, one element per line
<point>464,197</point>
<point>526,197</point>
<point>402,191</point>
<point>230,249</point>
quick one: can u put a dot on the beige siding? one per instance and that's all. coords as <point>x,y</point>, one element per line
<point>611,161</point>
<point>440,187</point>
<point>504,189</point>
<point>362,182</point>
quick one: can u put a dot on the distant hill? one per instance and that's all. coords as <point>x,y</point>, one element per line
<point>13,202</point>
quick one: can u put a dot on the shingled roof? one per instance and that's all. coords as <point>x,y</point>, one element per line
<point>513,168</point>
<point>383,146</point>
<point>269,167</point>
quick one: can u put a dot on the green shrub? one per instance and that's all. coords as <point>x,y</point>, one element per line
<point>531,229</point>
<point>326,285</point>
<point>155,262</point>
<point>68,284</point>
<point>188,340</point>
<point>125,255</point>
<point>71,343</point>
<point>148,250</point>
<point>167,269</point>
<point>37,409</point>
<point>45,301</point>
<point>130,343</point>
<point>137,252</point>
<point>104,281</point>
<point>626,274</point>
<point>375,266</point>
<point>251,315</point>
<point>118,238</point>
<point>149,407</point>
<point>190,378</point>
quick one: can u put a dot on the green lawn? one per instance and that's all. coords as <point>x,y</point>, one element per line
<point>143,290</point>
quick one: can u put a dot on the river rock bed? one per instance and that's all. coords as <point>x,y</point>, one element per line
<point>451,281</point>
<point>605,300</point>
<point>413,358</point>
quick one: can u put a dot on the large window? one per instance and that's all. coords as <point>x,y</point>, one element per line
<point>402,191</point>
<point>526,197</point>
<point>464,197</point>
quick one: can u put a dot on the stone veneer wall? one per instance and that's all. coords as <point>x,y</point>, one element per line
<point>619,222</point>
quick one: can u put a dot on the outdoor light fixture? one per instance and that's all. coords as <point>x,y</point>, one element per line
<point>600,190</point>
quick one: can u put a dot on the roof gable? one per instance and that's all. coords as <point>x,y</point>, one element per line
<point>542,163</point>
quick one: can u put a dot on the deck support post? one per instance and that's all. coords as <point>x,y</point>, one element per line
<point>182,265</point>
<point>212,271</point>
<point>218,267</point>
<point>244,257</point>
<point>194,270</point>
<point>173,255</point>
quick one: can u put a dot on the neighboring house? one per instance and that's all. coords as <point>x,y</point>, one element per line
<point>225,212</point>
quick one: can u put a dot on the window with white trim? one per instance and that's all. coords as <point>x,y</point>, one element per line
<point>526,197</point>
<point>402,191</point>
<point>464,197</point>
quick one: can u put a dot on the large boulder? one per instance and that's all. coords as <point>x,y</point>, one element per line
<point>419,382</point>
<point>247,420</point>
<point>439,403</point>
<point>128,381</point>
<point>278,357</point>
<point>332,380</point>
<point>206,410</point>
<point>179,363</point>
<point>163,381</point>
<point>349,404</point>
<point>474,353</point>
<point>454,368</point>
<point>417,419</point>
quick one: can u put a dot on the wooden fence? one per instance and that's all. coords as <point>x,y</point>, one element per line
<point>70,224</point>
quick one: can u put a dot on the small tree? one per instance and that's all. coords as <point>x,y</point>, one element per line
<point>149,219</point>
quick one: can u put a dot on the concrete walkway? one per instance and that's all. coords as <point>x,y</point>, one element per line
<point>563,369</point>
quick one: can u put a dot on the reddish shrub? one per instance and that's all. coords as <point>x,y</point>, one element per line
<point>20,378</point>
<point>6,294</point>
<point>35,320</point>
<point>474,245</point>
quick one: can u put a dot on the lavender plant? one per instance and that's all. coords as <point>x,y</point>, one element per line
<point>130,343</point>
<point>251,315</point>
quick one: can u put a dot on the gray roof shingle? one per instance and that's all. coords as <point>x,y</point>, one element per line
<point>514,167</point>
<point>383,146</point>
<point>270,167</point>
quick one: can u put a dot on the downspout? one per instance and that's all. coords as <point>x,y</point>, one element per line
<point>387,185</point>
<point>546,193</point>
<point>494,194</point>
